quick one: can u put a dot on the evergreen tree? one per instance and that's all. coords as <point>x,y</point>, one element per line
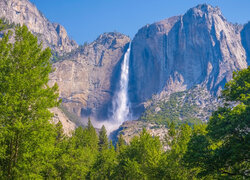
<point>27,136</point>
<point>120,143</point>
<point>140,160</point>
<point>76,157</point>
<point>1,25</point>
<point>104,167</point>
<point>92,136</point>
<point>171,161</point>
<point>103,139</point>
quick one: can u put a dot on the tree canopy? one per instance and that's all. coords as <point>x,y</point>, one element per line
<point>25,131</point>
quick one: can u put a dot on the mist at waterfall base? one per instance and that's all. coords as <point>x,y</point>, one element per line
<point>120,103</point>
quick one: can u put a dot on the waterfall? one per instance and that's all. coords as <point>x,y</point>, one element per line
<point>120,101</point>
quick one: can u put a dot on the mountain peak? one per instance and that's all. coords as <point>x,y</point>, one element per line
<point>25,13</point>
<point>204,9</point>
<point>109,37</point>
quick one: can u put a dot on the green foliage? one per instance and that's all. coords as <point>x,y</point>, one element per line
<point>77,154</point>
<point>104,167</point>
<point>141,158</point>
<point>4,24</point>
<point>177,140</point>
<point>120,143</point>
<point>27,136</point>
<point>224,151</point>
<point>173,110</point>
<point>103,139</point>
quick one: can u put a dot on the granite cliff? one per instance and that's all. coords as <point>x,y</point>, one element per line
<point>52,35</point>
<point>87,79</point>
<point>245,38</point>
<point>199,47</point>
<point>194,53</point>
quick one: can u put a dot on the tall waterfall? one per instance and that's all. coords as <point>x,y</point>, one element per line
<point>120,101</point>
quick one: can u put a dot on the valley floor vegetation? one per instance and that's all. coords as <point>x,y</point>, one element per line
<point>31,147</point>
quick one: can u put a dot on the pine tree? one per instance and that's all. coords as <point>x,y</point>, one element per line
<point>120,143</point>
<point>140,159</point>
<point>103,139</point>
<point>92,135</point>
<point>27,136</point>
<point>104,167</point>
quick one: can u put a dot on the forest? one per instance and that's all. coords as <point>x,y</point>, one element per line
<point>32,147</point>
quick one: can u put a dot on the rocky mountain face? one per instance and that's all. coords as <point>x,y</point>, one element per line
<point>87,80</point>
<point>194,54</point>
<point>199,47</point>
<point>52,35</point>
<point>245,37</point>
<point>67,125</point>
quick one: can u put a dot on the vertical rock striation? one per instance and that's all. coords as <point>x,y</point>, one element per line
<point>199,47</point>
<point>245,37</point>
<point>51,34</point>
<point>87,79</point>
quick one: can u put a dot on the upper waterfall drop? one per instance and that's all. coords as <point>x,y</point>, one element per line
<point>121,101</point>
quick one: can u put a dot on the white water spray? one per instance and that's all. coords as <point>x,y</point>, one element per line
<point>120,102</point>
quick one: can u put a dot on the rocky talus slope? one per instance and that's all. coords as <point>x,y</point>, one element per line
<point>67,124</point>
<point>192,106</point>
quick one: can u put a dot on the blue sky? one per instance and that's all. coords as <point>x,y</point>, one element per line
<point>85,20</point>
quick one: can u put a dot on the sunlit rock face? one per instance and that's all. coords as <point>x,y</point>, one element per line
<point>175,54</point>
<point>87,79</point>
<point>51,34</point>
<point>199,47</point>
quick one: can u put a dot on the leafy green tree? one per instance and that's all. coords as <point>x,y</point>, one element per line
<point>120,143</point>
<point>198,152</point>
<point>76,156</point>
<point>104,167</point>
<point>27,136</point>
<point>92,136</point>
<point>223,152</point>
<point>229,126</point>
<point>103,139</point>
<point>171,166</point>
<point>140,159</point>
<point>1,25</point>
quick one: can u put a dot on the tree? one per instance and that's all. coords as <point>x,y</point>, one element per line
<point>229,128</point>
<point>171,163</point>
<point>27,136</point>
<point>120,143</point>
<point>224,151</point>
<point>103,139</point>
<point>104,167</point>
<point>76,156</point>
<point>92,136</point>
<point>2,25</point>
<point>140,159</point>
